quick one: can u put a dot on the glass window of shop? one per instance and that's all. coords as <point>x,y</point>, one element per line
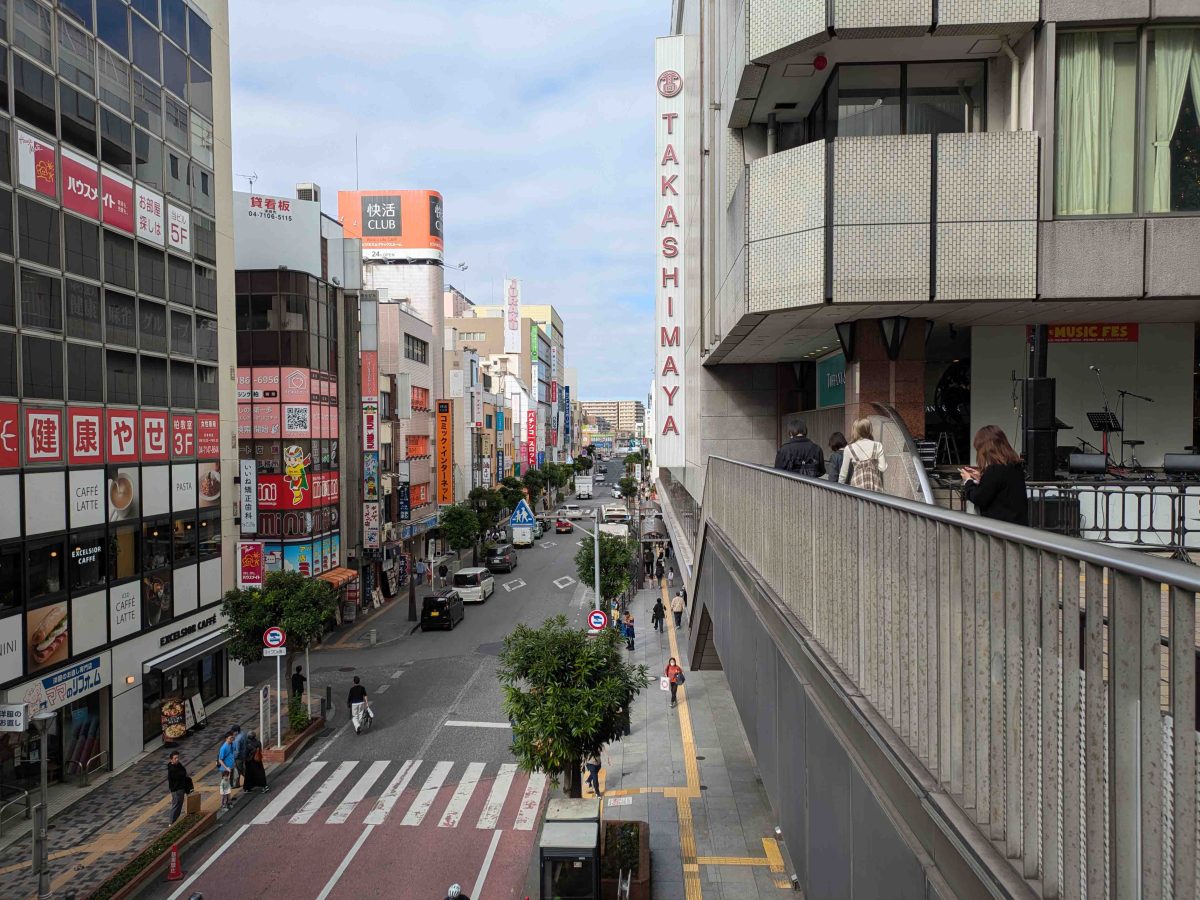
<point>86,563</point>
<point>11,575</point>
<point>205,676</point>
<point>44,570</point>
<point>77,734</point>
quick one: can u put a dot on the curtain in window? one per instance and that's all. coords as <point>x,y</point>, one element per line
<point>1174,58</point>
<point>1081,130</point>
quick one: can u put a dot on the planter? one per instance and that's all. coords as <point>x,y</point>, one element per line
<point>158,865</point>
<point>294,743</point>
<point>617,850</point>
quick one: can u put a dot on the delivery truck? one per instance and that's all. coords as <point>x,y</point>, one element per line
<point>583,487</point>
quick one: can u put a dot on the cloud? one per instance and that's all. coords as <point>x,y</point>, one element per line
<point>533,118</point>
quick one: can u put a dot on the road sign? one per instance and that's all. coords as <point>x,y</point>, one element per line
<point>275,651</point>
<point>522,516</point>
<point>274,637</point>
<point>598,619</point>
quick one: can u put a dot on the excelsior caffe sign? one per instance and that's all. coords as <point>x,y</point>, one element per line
<point>675,133</point>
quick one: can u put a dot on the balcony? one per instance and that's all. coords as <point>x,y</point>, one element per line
<point>781,28</point>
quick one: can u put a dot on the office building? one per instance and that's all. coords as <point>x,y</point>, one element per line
<point>624,416</point>
<point>116,405</point>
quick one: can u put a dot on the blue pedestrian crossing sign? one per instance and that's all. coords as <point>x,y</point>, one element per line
<point>522,516</point>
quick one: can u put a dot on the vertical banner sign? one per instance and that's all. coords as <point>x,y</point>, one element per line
<point>445,452</point>
<point>512,315</point>
<point>567,418</point>
<point>369,363</point>
<point>675,132</point>
<point>250,564</point>
<point>553,373</point>
<point>533,350</point>
<point>248,496</point>
<point>477,405</point>
<point>531,439</point>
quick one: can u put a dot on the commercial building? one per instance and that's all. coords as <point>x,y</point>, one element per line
<point>116,408</point>
<point>935,216</point>
<point>624,416</point>
<point>299,401</point>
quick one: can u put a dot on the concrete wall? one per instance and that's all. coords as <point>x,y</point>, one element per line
<point>1158,365</point>
<point>425,287</point>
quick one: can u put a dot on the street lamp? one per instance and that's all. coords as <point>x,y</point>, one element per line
<point>41,815</point>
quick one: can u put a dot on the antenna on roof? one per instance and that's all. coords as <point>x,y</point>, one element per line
<point>252,177</point>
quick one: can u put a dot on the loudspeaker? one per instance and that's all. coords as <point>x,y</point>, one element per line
<point>1039,454</point>
<point>1181,464</point>
<point>1088,464</point>
<point>1058,514</point>
<point>1039,403</point>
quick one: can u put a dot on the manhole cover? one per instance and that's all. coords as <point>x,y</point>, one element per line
<point>346,669</point>
<point>490,649</point>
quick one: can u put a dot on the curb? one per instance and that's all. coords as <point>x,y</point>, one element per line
<point>140,881</point>
<point>279,755</point>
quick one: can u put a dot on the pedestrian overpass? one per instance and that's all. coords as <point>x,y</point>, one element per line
<point>942,705</point>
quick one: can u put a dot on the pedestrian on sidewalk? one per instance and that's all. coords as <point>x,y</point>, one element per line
<point>863,460</point>
<point>671,577</point>
<point>593,769</point>
<point>677,605</point>
<point>256,773</point>
<point>239,756</point>
<point>658,569</point>
<point>630,631</point>
<point>421,570</point>
<point>178,784</point>
<point>226,763</point>
<point>298,682</point>
<point>674,677</point>
<point>658,614</point>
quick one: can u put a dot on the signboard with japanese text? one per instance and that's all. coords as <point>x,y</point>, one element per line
<point>369,361</point>
<point>371,526</point>
<point>277,231</point>
<point>477,405</point>
<point>250,564</point>
<point>85,436</point>
<point>150,215</point>
<point>122,435</point>
<point>208,436</point>
<point>183,436</point>
<point>43,435</point>
<point>567,434</point>
<point>370,418</point>
<point>512,315</point>
<point>155,444</point>
<point>531,439</point>
<point>13,717</point>
<point>300,491</point>
<point>179,228</point>
<point>81,184</point>
<point>404,496</point>
<point>10,436</point>
<point>60,688</point>
<point>36,166</point>
<point>445,452</point>
<point>116,196</point>
<point>394,224</point>
<point>248,496</point>
<point>533,349</point>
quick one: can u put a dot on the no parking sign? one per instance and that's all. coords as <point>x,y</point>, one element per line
<point>597,620</point>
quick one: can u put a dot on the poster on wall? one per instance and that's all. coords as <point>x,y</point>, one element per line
<point>11,662</point>
<point>124,501</point>
<point>298,558</point>
<point>370,477</point>
<point>116,193</point>
<point>209,485</point>
<point>36,168</point>
<point>150,208</point>
<point>81,184</point>
<point>47,634</point>
<point>179,229</point>
<point>248,496</point>
<point>87,497</point>
<point>371,526</point>
<point>250,564</point>
<point>158,603</point>
<point>124,611</point>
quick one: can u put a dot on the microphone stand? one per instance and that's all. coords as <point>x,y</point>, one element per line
<point>1107,413</point>
<point>1121,404</point>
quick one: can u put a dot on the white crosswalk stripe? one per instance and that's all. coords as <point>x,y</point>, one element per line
<point>462,796</point>
<point>307,797</point>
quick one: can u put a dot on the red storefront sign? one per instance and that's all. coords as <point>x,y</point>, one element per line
<point>85,436</point>
<point>154,437</point>
<point>117,197</point>
<point>10,436</point>
<point>531,439</point>
<point>208,436</point>
<point>250,564</point>
<point>81,184</point>
<point>285,492</point>
<point>43,435</point>
<point>122,436</point>
<point>36,168</point>
<point>370,376</point>
<point>1091,333</point>
<point>183,437</point>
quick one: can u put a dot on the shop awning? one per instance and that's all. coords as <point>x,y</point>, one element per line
<point>190,651</point>
<point>339,577</point>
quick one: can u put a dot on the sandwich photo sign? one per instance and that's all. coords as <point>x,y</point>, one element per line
<point>47,636</point>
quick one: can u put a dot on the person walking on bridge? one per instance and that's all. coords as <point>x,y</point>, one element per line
<point>799,454</point>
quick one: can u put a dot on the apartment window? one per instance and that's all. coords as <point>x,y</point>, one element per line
<point>200,39</point>
<point>175,75</point>
<point>82,244</point>
<point>154,381</point>
<point>206,387</point>
<point>202,141</point>
<point>473,336</point>
<point>148,8</point>
<point>202,189</point>
<point>206,338</point>
<point>83,311</point>
<point>80,10</point>
<point>176,121</point>
<point>123,557</point>
<point>77,117</point>
<point>204,238</point>
<point>120,320</point>
<point>37,230</point>
<point>181,333</point>
<point>177,184</point>
<point>210,534</point>
<point>184,531</point>
<point>41,300</point>
<point>174,21</point>
<point>200,89</point>
<point>77,55</point>
<point>83,362</point>
<point>42,368</point>
<point>5,149</point>
<point>122,377</point>
<point>6,228</point>
<point>416,349</point>
<point>206,289</point>
<point>420,398</point>
<point>34,94</point>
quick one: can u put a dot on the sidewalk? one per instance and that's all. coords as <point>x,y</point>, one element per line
<point>111,821</point>
<point>690,773</point>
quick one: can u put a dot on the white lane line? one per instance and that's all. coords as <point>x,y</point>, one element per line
<point>314,803</point>
<point>383,687</point>
<point>420,807</point>
<point>329,742</point>
<point>392,793</point>
<point>345,863</point>
<point>397,673</point>
<point>495,801</point>
<point>346,807</point>
<point>530,803</point>
<point>288,794</point>
<point>455,723</point>
<point>462,796</point>
<point>477,891</point>
<point>237,836</point>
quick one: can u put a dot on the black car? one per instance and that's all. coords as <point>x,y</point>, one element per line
<point>501,558</point>
<point>444,609</point>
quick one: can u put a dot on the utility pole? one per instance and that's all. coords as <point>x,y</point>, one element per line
<point>596,550</point>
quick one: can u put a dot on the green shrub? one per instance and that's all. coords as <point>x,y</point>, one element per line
<point>118,879</point>
<point>298,717</point>
<point>622,848</point>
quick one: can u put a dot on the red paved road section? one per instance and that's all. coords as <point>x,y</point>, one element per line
<point>396,861</point>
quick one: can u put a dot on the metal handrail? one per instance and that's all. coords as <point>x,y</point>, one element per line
<point>85,769</point>
<point>23,796</point>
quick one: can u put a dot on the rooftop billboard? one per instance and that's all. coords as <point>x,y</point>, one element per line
<point>393,224</point>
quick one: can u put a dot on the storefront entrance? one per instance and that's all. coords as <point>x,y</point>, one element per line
<point>76,739</point>
<point>187,689</point>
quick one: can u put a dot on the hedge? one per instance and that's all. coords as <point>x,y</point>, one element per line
<point>120,878</point>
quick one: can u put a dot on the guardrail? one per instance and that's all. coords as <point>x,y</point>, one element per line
<point>86,769</point>
<point>20,798</point>
<point>1067,741</point>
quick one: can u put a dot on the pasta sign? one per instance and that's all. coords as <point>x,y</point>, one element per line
<point>672,149</point>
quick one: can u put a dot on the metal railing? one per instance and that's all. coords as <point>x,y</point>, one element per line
<point>20,798</point>
<point>1067,740</point>
<point>86,769</point>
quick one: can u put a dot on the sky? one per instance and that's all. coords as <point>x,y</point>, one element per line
<point>533,118</point>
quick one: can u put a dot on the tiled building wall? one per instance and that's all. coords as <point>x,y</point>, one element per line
<point>775,25</point>
<point>872,19</point>
<point>987,215</point>
<point>786,219</point>
<point>881,218</point>
<point>985,16</point>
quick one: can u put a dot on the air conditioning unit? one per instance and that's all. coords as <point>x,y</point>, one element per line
<point>386,483</point>
<point>308,191</point>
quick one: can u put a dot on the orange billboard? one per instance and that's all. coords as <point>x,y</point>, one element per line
<point>445,452</point>
<point>393,223</point>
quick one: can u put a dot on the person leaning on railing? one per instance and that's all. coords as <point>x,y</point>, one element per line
<point>997,487</point>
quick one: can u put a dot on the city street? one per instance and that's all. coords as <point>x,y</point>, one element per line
<point>430,795</point>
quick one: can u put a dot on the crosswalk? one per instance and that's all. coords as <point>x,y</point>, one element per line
<point>441,791</point>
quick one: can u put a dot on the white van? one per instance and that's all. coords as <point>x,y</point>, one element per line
<point>474,585</point>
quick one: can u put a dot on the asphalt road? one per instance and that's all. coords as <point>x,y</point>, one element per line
<point>430,795</point>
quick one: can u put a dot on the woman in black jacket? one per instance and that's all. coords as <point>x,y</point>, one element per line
<point>997,487</point>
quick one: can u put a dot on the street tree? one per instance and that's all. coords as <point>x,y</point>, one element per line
<point>583,464</point>
<point>616,558</point>
<point>513,492</point>
<point>558,475</point>
<point>535,484</point>
<point>567,695</point>
<point>303,607</point>
<point>633,460</point>
<point>487,504</point>
<point>460,526</point>
<point>628,486</point>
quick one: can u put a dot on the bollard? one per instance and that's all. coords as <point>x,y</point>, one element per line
<point>371,637</point>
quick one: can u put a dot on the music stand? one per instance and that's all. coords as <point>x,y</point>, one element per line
<point>1105,423</point>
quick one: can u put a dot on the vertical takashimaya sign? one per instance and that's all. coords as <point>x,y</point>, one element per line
<point>512,315</point>
<point>675,131</point>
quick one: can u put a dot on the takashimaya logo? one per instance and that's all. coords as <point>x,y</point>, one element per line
<point>670,83</point>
